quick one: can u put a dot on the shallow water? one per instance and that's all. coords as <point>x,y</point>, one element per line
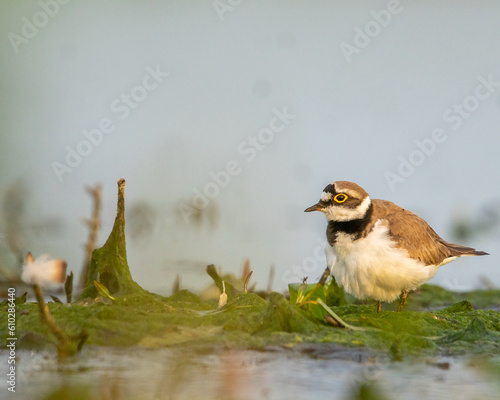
<point>304,372</point>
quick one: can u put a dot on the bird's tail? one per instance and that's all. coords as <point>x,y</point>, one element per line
<point>457,250</point>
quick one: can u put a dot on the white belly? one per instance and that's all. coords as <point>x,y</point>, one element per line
<point>373,267</point>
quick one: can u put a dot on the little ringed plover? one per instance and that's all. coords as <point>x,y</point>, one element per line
<point>377,249</point>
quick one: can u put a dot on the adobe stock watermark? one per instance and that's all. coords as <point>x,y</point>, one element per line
<point>12,340</point>
<point>455,117</point>
<point>249,148</point>
<point>32,26</point>
<point>121,107</point>
<point>222,7</point>
<point>454,286</point>
<point>364,36</point>
<point>314,264</point>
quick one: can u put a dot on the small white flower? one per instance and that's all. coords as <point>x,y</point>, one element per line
<point>43,271</point>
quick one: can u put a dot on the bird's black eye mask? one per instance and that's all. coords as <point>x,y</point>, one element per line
<point>330,189</point>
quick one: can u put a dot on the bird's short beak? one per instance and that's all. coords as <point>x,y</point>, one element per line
<point>317,207</point>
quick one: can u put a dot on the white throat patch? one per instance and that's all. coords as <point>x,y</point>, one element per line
<point>339,213</point>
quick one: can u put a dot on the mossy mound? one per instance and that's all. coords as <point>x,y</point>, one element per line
<point>109,264</point>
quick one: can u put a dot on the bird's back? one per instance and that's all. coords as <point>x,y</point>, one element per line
<point>412,233</point>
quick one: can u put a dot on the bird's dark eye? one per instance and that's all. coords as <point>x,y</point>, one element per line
<point>340,198</point>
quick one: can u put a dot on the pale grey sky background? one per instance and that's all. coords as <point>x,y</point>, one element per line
<point>230,70</point>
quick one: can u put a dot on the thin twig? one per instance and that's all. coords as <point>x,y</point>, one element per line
<point>247,280</point>
<point>68,287</point>
<point>325,276</point>
<point>47,318</point>
<point>177,284</point>
<point>94,225</point>
<point>271,279</point>
<point>246,269</point>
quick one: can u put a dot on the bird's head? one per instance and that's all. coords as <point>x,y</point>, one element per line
<point>343,201</point>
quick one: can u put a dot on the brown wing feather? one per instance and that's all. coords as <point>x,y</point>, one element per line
<point>459,250</point>
<point>411,232</point>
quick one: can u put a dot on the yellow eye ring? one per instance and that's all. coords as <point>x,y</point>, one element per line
<point>340,198</point>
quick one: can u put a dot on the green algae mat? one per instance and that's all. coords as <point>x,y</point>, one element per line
<point>114,310</point>
<point>249,321</point>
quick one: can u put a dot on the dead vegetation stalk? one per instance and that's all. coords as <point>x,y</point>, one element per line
<point>94,225</point>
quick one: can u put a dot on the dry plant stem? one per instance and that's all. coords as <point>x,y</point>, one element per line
<point>271,279</point>
<point>47,318</point>
<point>330,320</point>
<point>177,284</point>
<point>68,287</point>
<point>94,225</point>
<point>246,269</point>
<point>14,213</point>
<point>402,301</point>
<point>247,280</point>
<point>325,276</point>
